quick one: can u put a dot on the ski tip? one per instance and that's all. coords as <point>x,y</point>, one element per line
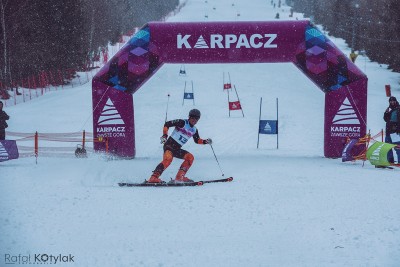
<point>230,179</point>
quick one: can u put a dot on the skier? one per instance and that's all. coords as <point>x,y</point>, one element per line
<point>184,130</point>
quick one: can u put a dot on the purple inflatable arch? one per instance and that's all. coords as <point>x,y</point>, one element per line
<point>344,85</point>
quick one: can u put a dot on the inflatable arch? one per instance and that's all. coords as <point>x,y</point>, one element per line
<point>299,42</point>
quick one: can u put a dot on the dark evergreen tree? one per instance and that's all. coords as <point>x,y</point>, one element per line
<point>373,26</point>
<point>43,35</point>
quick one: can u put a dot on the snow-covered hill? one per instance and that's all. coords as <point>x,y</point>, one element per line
<point>286,207</point>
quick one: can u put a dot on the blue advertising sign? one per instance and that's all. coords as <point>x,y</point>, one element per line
<point>268,127</point>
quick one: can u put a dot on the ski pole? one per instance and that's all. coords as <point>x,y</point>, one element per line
<point>166,112</point>
<point>217,160</point>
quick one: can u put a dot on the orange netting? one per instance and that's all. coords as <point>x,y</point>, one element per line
<point>365,141</point>
<point>53,144</point>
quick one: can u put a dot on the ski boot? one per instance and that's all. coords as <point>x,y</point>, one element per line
<point>154,178</point>
<point>180,177</point>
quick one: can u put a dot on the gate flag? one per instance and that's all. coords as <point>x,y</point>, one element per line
<point>227,85</point>
<point>188,95</point>
<point>235,105</point>
<point>268,126</point>
<point>182,71</point>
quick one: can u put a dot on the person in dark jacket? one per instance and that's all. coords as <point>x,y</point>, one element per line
<point>184,130</point>
<point>392,119</point>
<point>3,123</point>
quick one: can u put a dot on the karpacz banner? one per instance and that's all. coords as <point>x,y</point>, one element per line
<point>8,150</point>
<point>226,42</point>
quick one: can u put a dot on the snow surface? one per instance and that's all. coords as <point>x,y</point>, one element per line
<point>285,207</point>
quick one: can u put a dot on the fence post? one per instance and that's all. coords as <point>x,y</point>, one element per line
<point>36,145</point>
<point>83,139</point>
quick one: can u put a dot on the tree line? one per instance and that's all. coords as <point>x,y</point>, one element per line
<point>39,35</point>
<point>366,25</point>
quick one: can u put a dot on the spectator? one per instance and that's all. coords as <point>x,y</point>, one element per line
<point>353,56</point>
<point>3,123</point>
<point>392,119</point>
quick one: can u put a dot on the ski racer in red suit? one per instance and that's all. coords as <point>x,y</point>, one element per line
<point>184,130</point>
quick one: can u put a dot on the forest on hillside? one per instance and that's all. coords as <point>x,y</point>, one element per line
<point>42,35</point>
<point>370,26</point>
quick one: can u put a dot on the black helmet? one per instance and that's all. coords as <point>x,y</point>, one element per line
<point>195,113</point>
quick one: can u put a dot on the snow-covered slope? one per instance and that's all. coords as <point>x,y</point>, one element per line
<point>286,207</point>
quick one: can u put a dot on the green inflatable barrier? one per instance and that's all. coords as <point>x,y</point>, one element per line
<point>377,153</point>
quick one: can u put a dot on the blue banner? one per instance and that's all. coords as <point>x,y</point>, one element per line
<point>188,96</point>
<point>347,151</point>
<point>268,127</point>
<point>8,150</point>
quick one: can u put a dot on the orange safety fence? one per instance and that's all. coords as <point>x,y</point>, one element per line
<point>366,140</point>
<point>53,144</point>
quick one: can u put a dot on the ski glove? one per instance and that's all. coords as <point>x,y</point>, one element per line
<point>163,139</point>
<point>208,141</point>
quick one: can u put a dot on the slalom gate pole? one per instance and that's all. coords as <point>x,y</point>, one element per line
<point>229,106</point>
<point>183,100</point>
<point>223,81</point>
<point>193,94</point>
<point>277,128</point>
<point>366,146</point>
<point>238,99</point>
<point>217,160</point>
<point>259,122</point>
<point>166,112</point>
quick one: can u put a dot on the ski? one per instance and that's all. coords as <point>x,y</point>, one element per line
<point>383,167</point>
<point>174,184</point>
<point>229,179</point>
<point>164,184</point>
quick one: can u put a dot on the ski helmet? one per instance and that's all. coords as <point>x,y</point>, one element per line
<point>195,113</point>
